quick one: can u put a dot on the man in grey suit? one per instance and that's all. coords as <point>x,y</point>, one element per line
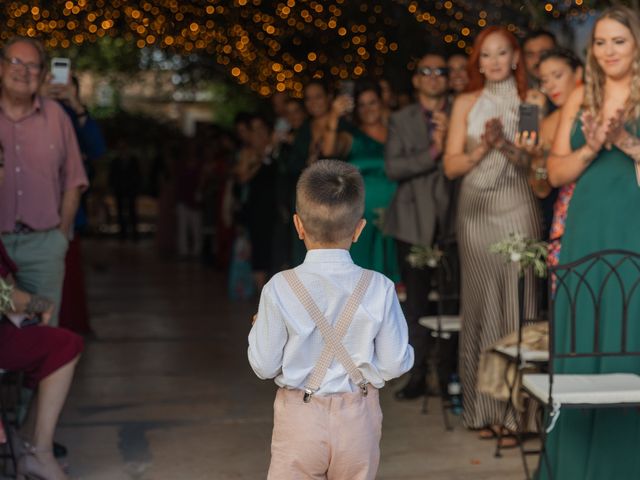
<point>413,159</point>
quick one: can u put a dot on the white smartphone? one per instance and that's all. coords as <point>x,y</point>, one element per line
<point>60,70</point>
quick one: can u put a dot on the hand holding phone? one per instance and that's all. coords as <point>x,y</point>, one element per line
<point>529,119</point>
<point>347,89</point>
<point>60,70</point>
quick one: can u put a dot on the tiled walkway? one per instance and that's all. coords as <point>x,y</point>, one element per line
<point>164,390</point>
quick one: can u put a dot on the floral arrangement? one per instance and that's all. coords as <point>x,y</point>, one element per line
<point>421,256</point>
<point>526,252</point>
<point>379,219</point>
<point>6,290</point>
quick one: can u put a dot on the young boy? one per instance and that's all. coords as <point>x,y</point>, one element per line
<point>331,334</point>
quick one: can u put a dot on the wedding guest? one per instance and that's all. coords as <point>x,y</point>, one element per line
<point>47,356</point>
<point>412,158</point>
<point>495,200</point>
<point>534,45</point>
<point>363,147</point>
<point>306,149</point>
<point>389,99</point>
<point>597,147</point>
<point>255,169</point>
<point>74,309</point>
<point>44,172</point>
<point>458,76</point>
<point>561,71</point>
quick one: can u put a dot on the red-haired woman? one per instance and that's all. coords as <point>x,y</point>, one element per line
<point>495,200</point>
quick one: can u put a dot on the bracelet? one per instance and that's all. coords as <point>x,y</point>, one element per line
<point>37,304</point>
<point>540,173</point>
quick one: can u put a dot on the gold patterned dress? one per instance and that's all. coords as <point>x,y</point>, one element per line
<point>495,201</point>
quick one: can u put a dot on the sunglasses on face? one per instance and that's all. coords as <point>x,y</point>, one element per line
<point>430,72</point>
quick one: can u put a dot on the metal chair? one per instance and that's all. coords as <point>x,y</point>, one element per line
<point>523,359</point>
<point>443,325</point>
<point>597,279</point>
<point>7,425</point>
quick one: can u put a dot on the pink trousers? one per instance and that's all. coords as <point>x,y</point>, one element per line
<point>335,437</point>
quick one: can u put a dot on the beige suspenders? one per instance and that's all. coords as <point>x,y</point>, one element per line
<point>332,335</point>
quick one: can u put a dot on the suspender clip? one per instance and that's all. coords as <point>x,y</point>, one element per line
<point>364,389</point>
<point>306,398</point>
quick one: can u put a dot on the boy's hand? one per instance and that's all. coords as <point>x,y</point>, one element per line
<point>253,319</point>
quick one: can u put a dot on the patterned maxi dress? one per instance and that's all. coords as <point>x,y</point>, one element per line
<point>495,200</point>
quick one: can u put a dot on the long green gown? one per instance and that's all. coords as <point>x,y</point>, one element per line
<point>373,250</point>
<point>604,213</point>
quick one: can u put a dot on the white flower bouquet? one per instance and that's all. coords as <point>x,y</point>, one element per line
<point>526,252</point>
<point>421,256</point>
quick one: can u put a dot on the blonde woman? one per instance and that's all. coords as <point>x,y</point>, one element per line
<point>597,147</point>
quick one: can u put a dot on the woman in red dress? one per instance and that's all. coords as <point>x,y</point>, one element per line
<point>48,357</point>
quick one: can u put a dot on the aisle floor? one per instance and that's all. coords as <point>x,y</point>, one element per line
<point>164,390</point>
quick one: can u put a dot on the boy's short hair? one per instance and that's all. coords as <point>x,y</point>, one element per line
<point>330,200</point>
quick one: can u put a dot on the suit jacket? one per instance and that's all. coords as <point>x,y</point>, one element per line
<point>422,199</point>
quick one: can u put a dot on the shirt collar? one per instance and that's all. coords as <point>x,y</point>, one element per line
<point>36,107</point>
<point>328,255</point>
<point>429,113</point>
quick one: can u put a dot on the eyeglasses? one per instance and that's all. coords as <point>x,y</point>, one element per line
<point>430,72</point>
<point>16,63</point>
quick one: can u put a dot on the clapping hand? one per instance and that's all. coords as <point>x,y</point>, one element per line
<point>615,129</point>
<point>595,132</point>
<point>493,133</point>
<point>440,125</point>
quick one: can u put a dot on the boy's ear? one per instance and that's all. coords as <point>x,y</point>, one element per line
<point>359,227</point>
<point>297,222</point>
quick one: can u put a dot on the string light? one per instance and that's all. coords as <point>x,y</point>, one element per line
<point>276,45</point>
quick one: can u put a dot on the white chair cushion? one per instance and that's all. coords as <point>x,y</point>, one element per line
<point>526,354</point>
<point>605,388</point>
<point>449,323</point>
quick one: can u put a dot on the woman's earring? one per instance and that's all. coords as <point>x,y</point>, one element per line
<point>481,70</point>
<point>514,66</point>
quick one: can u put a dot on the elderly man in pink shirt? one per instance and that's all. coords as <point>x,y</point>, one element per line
<point>44,175</point>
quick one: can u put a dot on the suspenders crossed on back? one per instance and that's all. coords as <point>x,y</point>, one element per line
<point>332,336</point>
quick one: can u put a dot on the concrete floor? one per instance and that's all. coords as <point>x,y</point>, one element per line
<point>164,390</point>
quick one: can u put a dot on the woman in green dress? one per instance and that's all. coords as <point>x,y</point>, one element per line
<point>597,146</point>
<point>364,148</point>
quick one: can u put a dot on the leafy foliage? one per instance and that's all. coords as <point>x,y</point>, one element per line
<point>422,256</point>
<point>525,252</point>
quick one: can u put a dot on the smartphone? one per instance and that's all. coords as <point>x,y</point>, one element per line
<point>29,322</point>
<point>347,87</point>
<point>282,126</point>
<point>529,118</point>
<point>60,70</point>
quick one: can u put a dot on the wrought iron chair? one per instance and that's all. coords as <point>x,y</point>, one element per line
<point>523,359</point>
<point>444,326</point>
<point>598,280</point>
<point>7,449</point>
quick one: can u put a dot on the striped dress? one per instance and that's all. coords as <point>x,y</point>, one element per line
<point>495,200</point>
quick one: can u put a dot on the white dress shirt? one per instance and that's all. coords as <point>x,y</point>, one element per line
<point>284,342</point>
